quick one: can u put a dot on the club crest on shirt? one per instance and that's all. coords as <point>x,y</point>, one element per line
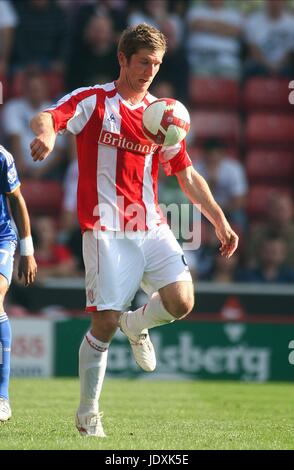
<point>11,175</point>
<point>90,295</point>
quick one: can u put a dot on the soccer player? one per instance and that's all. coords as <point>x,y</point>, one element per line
<point>118,171</point>
<point>10,188</point>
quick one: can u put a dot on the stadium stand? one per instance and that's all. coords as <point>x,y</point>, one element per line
<point>259,197</point>
<point>251,116</point>
<point>270,130</point>
<point>218,124</point>
<point>42,197</point>
<point>270,167</point>
<point>265,94</point>
<point>54,82</point>
<point>223,94</point>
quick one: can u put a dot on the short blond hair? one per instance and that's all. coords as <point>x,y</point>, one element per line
<point>142,36</point>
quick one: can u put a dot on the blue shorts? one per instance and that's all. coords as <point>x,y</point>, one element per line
<point>7,250</point>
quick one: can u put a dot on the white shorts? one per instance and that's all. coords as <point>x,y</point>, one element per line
<point>117,265</point>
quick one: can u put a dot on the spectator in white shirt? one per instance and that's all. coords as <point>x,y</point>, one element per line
<point>17,114</point>
<point>227,180</point>
<point>213,42</point>
<point>270,39</point>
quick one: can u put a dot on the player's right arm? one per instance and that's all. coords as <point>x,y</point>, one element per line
<point>43,127</point>
<point>71,113</point>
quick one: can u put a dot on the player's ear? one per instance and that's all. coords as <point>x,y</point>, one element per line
<point>122,59</point>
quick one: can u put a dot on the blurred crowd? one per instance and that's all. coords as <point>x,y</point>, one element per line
<point>230,62</point>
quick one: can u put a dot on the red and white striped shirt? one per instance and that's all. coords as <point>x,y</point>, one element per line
<point>118,166</point>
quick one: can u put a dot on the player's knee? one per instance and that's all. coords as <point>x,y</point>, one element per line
<point>104,323</point>
<point>181,307</point>
<point>109,324</point>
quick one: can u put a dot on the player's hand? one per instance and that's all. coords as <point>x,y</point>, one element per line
<point>27,268</point>
<point>228,238</point>
<point>42,146</point>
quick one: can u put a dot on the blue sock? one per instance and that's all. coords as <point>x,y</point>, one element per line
<point>5,347</point>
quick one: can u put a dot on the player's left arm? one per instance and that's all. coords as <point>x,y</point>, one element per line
<point>197,190</point>
<point>27,267</point>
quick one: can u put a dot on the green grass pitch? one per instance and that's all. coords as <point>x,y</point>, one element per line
<point>153,415</point>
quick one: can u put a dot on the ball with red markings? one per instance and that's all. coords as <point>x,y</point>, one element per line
<point>166,122</point>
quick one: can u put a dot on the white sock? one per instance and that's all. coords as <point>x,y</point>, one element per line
<point>150,315</point>
<point>92,365</point>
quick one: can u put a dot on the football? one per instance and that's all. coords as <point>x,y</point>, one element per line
<point>166,122</point>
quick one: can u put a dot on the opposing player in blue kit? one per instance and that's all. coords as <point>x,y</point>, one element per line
<point>27,268</point>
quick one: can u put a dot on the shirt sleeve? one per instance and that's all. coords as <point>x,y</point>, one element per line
<point>73,111</point>
<point>174,159</point>
<point>9,176</point>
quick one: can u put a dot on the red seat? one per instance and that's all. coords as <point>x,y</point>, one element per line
<point>270,130</point>
<point>214,93</point>
<point>222,125</point>
<point>42,197</point>
<point>258,198</point>
<point>270,166</point>
<point>263,94</point>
